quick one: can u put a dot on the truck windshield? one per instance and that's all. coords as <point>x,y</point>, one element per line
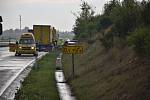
<point>26,41</point>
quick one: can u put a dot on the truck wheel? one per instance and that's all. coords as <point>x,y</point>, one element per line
<point>16,54</point>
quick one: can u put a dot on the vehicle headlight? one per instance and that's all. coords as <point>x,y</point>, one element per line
<point>20,47</point>
<point>32,47</point>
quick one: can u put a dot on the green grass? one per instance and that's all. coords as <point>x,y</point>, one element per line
<point>40,84</point>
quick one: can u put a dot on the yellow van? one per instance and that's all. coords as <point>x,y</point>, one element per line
<point>25,45</point>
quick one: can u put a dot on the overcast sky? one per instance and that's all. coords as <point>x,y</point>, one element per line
<point>50,12</point>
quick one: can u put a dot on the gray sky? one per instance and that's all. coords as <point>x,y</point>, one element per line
<point>50,12</point>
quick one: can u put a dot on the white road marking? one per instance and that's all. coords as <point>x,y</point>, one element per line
<point>4,68</point>
<point>9,62</point>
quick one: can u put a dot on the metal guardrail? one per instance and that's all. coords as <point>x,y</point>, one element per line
<point>4,44</point>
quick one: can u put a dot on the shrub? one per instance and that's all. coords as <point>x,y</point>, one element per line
<point>107,40</point>
<point>140,40</point>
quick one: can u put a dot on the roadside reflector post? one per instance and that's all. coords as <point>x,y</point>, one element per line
<point>75,49</point>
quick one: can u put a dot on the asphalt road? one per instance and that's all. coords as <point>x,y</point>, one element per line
<point>11,66</point>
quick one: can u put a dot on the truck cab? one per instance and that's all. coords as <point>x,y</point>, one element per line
<point>25,45</point>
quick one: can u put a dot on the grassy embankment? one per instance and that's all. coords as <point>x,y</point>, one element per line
<point>40,84</point>
<point>116,74</point>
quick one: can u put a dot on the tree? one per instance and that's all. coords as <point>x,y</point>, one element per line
<point>146,14</point>
<point>87,11</point>
<point>85,17</point>
<point>108,7</point>
<point>126,17</point>
<point>104,23</point>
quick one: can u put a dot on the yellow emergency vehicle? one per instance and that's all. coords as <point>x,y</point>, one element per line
<point>25,45</point>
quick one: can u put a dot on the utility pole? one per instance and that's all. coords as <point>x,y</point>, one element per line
<point>1,27</point>
<point>20,21</point>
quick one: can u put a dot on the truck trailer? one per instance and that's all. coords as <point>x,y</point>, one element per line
<point>44,37</point>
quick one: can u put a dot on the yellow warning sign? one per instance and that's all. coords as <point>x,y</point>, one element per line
<point>72,49</point>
